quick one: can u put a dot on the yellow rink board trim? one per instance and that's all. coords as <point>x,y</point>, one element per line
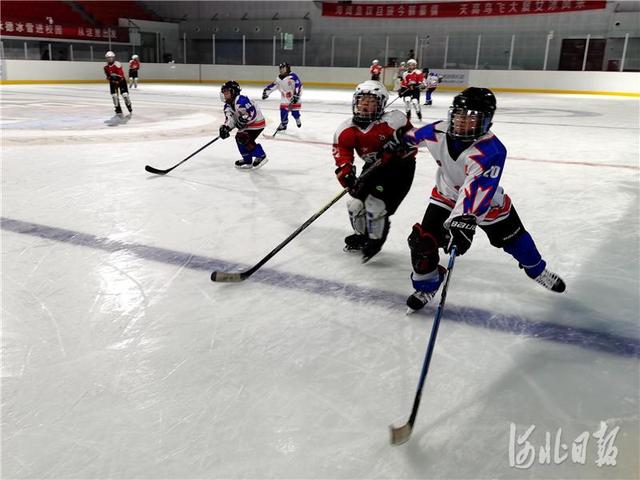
<point>325,85</point>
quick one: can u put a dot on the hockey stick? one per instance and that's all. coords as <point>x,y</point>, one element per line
<point>164,172</point>
<point>400,435</point>
<point>389,104</point>
<point>239,277</point>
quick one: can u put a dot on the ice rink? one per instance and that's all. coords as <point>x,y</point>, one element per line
<point>121,359</point>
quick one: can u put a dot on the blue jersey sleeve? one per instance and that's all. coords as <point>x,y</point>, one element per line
<point>297,82</point>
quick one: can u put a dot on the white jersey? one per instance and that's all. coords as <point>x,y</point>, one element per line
<point>468,184</point>
<point>289,86</point>
<point>244,114</point>
<point>432,80</point>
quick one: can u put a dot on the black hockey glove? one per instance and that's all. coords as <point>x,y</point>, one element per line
<point>224,131</point>
<point>402,91</point>
<point>347,175</point>
<point>462,229</point>
<point>265,94</point>
<point>295,99</point>
<point>396,144</point>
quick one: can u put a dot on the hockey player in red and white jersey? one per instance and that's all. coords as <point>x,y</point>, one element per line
<point>117,81</point>
<point>376,195</point>
<point>410,87</point>
<point>375,70</point>
<point>134,70</point>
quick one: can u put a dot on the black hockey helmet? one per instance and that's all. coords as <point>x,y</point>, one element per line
<point>286,67</point>
<point>471,113</point>
<point>230,86</point>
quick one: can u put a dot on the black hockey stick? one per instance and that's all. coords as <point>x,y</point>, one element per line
<point>400,435</point>
<point>164,172</point>
<point>240,276</point>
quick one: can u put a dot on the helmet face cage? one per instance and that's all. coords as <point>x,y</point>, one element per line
<point>471,113</point>
<point>362,94</point>
<point>231,87</point>
<point>467,124</point>
<point>110,56</point>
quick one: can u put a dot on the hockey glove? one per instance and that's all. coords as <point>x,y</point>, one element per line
<point>402,91</point>
<point>462,229</point>
<point>265,94</point>
<point>397,145</point>
<point>347,175</point>
<point>224,131</point>
<point>295,99</point>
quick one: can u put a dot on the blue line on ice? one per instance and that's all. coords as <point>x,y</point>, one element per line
<point>581,337</point>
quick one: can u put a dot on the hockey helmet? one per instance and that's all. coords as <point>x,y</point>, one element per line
<point>375,62</point>
<point>471,113</point>
<point>285,66</point>
<point>232,87</point>
<point>110,56</point>
<point>363,108</point>
<point>134,57</point>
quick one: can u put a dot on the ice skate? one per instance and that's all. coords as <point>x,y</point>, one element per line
<point>551,281</point>
<point>298,122</point>
<point>425,291</point>
<point>260,161</point>
<point>244,164</point>
<point>354,243</point>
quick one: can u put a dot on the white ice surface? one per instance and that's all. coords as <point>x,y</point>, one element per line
<point>123,360</point>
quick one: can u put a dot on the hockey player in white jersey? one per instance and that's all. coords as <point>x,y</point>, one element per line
<point>290,87</point>
<point>467,194</point>
<point>241,113</point>
<point>431,82</point>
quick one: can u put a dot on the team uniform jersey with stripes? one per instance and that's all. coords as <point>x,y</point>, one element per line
<point>468,184</point>
<point>243,114</point>
<point>289,86</point>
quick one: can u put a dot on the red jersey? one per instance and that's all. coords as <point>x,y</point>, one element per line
<point>416,77</point>
<point>115,67</point>
<point>375,69</point>
<point>134,64</point>
<point>367,143</point>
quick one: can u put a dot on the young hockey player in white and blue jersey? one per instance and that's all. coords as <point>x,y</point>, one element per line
<point>240,112</point>
<point>467,195</point>
<point>290,87</point>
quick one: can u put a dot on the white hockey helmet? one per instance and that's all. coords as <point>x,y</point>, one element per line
<point>411,61</point>
<point>134,57</point>
<point>364,111</point>
<point>109,54</point>
<point>375,62</point>
<point>402,64</point>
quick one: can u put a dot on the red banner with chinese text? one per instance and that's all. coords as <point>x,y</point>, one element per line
<point>16,28</point>
<point>455,9</point>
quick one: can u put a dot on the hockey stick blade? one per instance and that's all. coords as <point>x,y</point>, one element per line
<point>150,169</point>
<point>400,435</point>
<point>227,277</point>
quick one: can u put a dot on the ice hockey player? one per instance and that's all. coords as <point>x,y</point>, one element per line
<point>241,113</point>
<point>134,69</point>
<point>290,87</point>
<point>410,87</point>
<point>376,195</point>
<point>470,162</point>
<point>431,82</point>
<point>117,81</point>
<point>375,70</point>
